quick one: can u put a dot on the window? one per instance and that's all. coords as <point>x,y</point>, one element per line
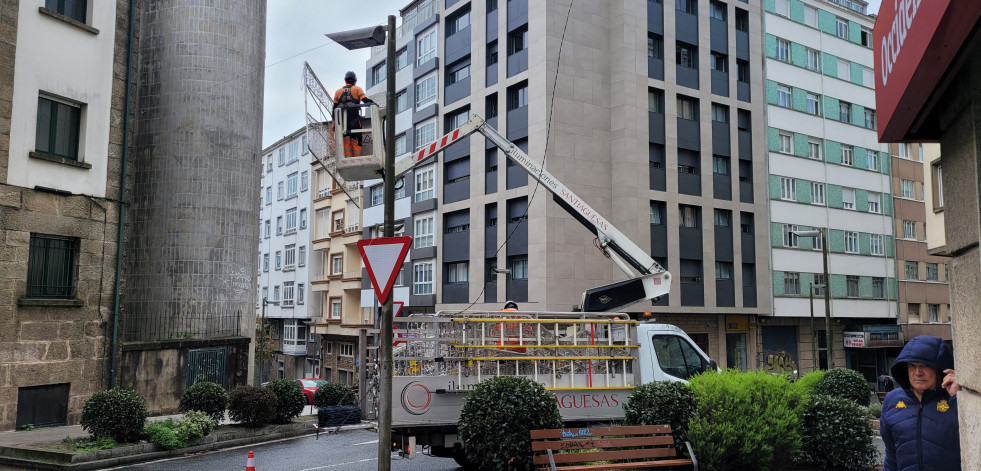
<point>912,270</point>
<point>717,11</point>
<point>688,216</point>
<point>52,266</point>
<point>491,53</point>
<point>723,270</point>
<point>813,104</point>
<point>518,96</point>
<point>335,311</point>
<point>280,191</point>
<point>265,262</point>
<point>720,113</point>
<point>904,151</point>
<point>686,55</point>
<point>841,28</point>
<point>844,70</point>
<point>720,62</point>
<point>518,40</point>
<point>906,186</point>
<point>783,96</point>
<point>422,278</point>
<point>425,133</point>
<point>291,185</point>
<point>401,59</point>
<point>458,119</point>
<point>426,90</point>
<point>810,16</point>
<point>844,112</point>
<point>268,195</point>
<point>275,293</point>
<point>851,282</point>
<point>818,280</point>
<point>58,127</point>
<point>687,6</point>
<point>676,357</point>
<point>426,46</point>
<point>742,71</point>
<point>518,267</point>
<point>869,119</point>
<point>291,220</point>
<point>289,293</point>
<point>282,156</point>
<point>871,160</point>
<point>782,7</point>
<point>269,163</point>
<point>267,228</point>
<point>909,230</point>
<point>938,185</point>
<point>338,224</point>
<point>875,203</point>
<point>401,101</point>
<point>848,198</point>
<point>376,195</point>
<point>425,183</point>
<point>687,108</point>
<point>301,256</point>
<point>866,39</point>
<point>457,23</point>
<point>74,9</point>
<point>377,73</point>
<point>279,262</point>
<point>400,144</point>
<point>876,244</point>
<point>932,272</point>
<point>723,218</point>
<point>657,213</point>
<point>424,230</point>
<point>814,148</point>
<point>790,238</point>
<point>791,283</point>
<point>337,264</point>
<point>300,295</point>
<point>878,287</point>
<point>655,46</point>
<point>457,272</point>
<point>811,59</point>
<point>817,193</point>
<point>490,106</point>
<point>934,312</point>
<point>783,50</point>
<point>851,242</point>
<point>655,101</point>
<point>868,77</point>
<point>786,143</point>
<point>847,155</point>
<point>788,189</point>
<point>457,72</point>
<point>720,165</point>
<point>279,225</point>
<point>742,20</point>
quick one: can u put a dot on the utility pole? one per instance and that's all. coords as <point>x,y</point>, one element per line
<point>827,300</point>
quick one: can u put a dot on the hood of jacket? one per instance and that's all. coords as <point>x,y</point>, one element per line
<point>931,351</point>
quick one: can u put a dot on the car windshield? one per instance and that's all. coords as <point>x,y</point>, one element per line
<point>312,383</point>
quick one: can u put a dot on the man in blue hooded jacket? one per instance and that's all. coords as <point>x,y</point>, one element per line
<point>919,419</point>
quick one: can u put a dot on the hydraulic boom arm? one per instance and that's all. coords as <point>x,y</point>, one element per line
<point>648,279</point>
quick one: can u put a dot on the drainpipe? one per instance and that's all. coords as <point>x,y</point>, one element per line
<point>122,199</point>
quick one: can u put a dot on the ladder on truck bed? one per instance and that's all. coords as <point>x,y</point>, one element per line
<point>559,350</point>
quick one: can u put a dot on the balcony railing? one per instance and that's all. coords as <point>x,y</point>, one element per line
<point>294,347</point>
<point>353,228</point>
<point>323,192</point>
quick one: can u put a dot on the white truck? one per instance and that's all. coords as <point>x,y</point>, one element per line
<point>590,360</point>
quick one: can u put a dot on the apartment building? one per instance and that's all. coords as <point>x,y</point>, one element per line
<point>924,292</point>
<point>284,285</point>
<point>606,127</point>
<point>828,172</point>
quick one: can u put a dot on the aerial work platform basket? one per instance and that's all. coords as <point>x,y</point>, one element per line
<point>364,162</point>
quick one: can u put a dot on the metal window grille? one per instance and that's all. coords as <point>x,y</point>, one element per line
<point>51,266</point>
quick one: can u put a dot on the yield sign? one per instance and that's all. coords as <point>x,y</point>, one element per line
<point>383,258</point>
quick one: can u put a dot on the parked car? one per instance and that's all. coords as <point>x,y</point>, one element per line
<point>310,386</point>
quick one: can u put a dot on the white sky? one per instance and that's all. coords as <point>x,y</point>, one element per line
<point>294,27</point>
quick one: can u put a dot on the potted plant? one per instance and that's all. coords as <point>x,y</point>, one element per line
<point>337,404</point>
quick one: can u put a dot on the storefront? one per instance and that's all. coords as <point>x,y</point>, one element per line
<point>871,350</point>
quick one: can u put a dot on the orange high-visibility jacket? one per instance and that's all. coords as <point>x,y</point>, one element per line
<point>356,93</point>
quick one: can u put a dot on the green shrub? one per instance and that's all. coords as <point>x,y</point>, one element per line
<point>875,410</point>
<point>662,402</point>
<point>164,436</point>
<point>290,399</point>
<point>808,382</point>
<point>837,434</point>
<point>497,416</point>
<point>333,393</point>
<point>206,397</point>
<point>252,405</point>
<point>172,434</point>
<point>745,421</point>
<point>195,424</point>
<point>841,382</point>
<point>118,414</point>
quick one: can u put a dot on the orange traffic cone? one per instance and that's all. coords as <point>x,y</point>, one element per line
<point>250,463</point>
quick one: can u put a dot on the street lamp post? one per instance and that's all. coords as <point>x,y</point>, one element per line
<point>814,355</point>
<point>262,340</point>
<point>822,235</point>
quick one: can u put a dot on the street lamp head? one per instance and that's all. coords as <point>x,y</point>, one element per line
<point>502,270</point>
<point>806,233</point>
<point>359,38</point>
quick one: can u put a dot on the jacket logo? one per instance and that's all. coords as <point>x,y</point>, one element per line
<point>942,406</point>
<point>901,405</point>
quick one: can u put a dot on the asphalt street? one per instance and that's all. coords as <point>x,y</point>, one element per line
<point>354,450</point>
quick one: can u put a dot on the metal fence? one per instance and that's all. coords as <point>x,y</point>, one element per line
<point>150,326</point>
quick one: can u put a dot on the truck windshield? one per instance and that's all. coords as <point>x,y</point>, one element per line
<point>677,357</point>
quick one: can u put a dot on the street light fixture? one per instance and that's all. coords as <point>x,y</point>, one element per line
<point>262,339</point>
<point>506,271</point>
<point>357,39</point>
<point>822,235</point>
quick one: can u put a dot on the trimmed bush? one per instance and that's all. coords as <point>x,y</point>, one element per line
<point>290,399</point>
<point>497,416</point>
<point>837,434</point>
<point>745,421</point>
<point>163,436</point>
<point>118,414</point>
<point>172,434</point>
<point>662,402</point>
<point>808,382</point>
<point>206,397</point>
<point>195,424</point>
<point>841,382</point>
<point>333,393</point>
<point>252,405</point>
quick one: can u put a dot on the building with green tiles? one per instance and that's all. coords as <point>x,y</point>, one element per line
<point>827,172</point>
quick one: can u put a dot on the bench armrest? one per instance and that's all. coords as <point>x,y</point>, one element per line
<point>691,453</point>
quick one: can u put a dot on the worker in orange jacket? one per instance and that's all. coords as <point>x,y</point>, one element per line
<point>349,96</point>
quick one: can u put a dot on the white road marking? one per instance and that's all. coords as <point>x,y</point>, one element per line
<point>366,443</point>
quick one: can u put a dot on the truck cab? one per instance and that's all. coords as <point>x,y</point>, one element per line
<point>667,353</point>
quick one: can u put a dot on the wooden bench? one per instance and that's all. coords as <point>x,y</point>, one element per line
<point>626,447</point>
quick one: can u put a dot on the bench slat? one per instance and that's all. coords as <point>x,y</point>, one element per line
<point>635,454</point>
<point>600,431</point>
<point>587,443</point>
<point>636,464</point>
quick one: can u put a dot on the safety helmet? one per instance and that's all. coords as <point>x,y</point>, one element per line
<point>511,305</point>
<point>350,77</point>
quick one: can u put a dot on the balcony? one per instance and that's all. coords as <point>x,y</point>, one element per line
<point>294,347</point>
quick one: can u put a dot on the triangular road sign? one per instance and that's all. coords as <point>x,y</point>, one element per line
<point>383,258</point>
